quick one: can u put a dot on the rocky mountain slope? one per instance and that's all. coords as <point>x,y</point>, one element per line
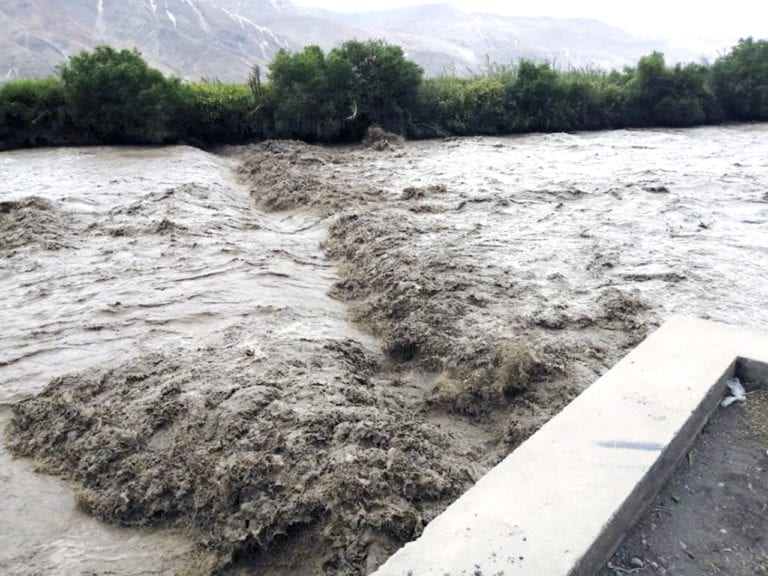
<point>442,37</point>
<point>222,38</point>
<point>190,38</point>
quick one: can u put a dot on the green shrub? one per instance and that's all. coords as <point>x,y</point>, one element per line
<point>740,81</point>
<point>537,97</point>
<point>222,113</point>
<point>334,97</point>
<point>32,114</point>
<point>440,108</point>
<point>678,96</point>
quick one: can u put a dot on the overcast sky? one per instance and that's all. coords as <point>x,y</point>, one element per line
<point>704,18</point>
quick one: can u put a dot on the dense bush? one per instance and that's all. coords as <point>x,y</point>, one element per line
<point>115,97</point>
<point>32,113</point>
<point>110,96</point>
<point>382,86</point>
<point>676,96</point>
<point>309,95</point>
<point>740,81</point>
<point>338,96</point>
<point>535,97</point>
<point>221,113</point>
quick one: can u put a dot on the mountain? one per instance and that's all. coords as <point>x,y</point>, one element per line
<point>223,38</point>
<point>189,38</point>
<point>440,37</point>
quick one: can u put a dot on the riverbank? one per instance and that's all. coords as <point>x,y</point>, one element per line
<point>112,97</point>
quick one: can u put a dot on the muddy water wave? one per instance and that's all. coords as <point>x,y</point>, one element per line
<point>129,248</point>
<point>678,214</point>
<point>108,254</point>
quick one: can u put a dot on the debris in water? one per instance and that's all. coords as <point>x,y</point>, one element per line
<point>685,549</point>
<point>376,138</point>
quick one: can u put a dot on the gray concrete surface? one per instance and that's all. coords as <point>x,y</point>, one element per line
<point>563,501</point>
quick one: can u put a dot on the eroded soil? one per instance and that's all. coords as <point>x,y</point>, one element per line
<point>300,355</point>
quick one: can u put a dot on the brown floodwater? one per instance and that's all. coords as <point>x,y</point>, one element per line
<point>655,206</point>
<point>125,251</point>
<point>140,246</point>
<point>107,254</point>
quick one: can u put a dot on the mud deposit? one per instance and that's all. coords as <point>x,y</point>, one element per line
<point>298,355</point>
<point>42,532</point>
<point>712,517</point>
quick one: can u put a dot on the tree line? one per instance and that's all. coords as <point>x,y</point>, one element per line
<point>109,96</point>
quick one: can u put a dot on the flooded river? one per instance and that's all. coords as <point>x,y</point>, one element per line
<point>680,215</point>
<point>120,250</point>
<point>279,342</point>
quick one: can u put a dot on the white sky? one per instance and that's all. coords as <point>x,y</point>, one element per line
<point>704,18</point>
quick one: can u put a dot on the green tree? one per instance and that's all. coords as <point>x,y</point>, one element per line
<point>535,97</point>
<point>381,84</point>
<point>649,85</point>
<point>740,80</point>
<point>115,97</point>
<point>440,110</point>
<point>676,96</point>
<point>689,101</point>
<point>254,81</point>
<point>309,94</point>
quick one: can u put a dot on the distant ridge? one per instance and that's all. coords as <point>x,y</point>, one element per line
<point>222,39</point>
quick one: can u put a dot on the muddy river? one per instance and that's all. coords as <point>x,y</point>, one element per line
<point>285,359</point>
